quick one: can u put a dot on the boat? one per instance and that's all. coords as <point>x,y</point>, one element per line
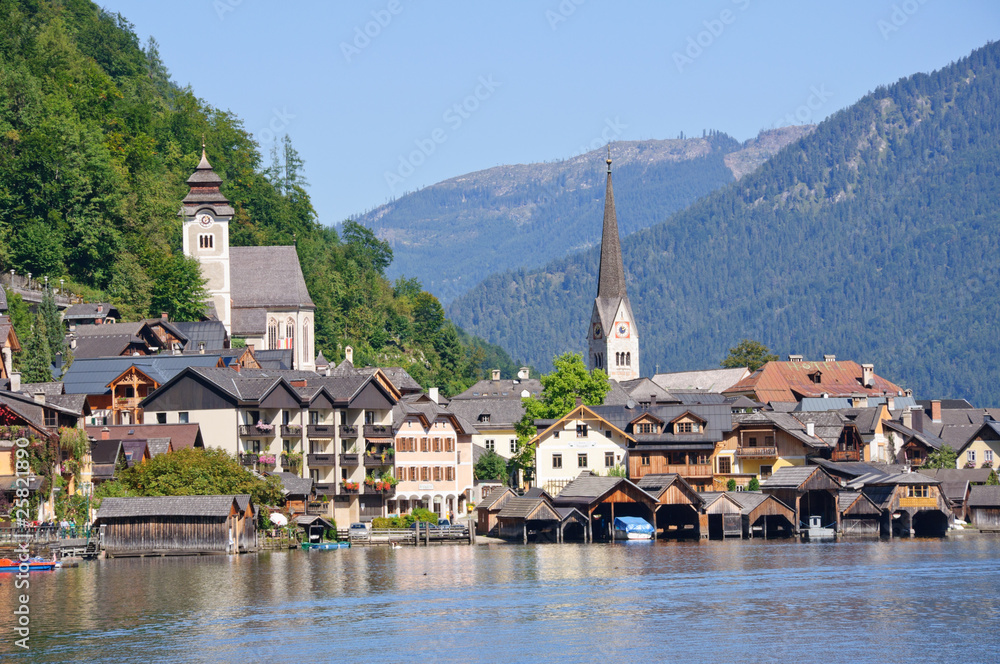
<point>326,546</point>
<point>34,565</point>
<point>633,528</point>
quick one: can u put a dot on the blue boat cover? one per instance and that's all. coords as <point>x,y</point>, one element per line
<point>633,524</point>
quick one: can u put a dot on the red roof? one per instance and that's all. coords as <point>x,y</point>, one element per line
<point>792,381</point>
<point>180,435</point>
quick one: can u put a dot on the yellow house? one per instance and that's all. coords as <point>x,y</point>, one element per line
<point>982,450</point>
<point>580,441</point>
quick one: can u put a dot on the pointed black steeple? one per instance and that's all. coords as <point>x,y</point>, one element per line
<point>611,282</point>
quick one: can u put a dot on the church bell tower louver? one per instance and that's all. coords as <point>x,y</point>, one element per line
<point>613,340</point>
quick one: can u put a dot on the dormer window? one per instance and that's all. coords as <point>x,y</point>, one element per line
<point>485,417</point>
<point>816,377</point>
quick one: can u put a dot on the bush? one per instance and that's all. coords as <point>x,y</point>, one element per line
<point>754,485</point>
<point>731,485</point>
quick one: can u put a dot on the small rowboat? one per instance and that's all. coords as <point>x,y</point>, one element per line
<point>34,565</point>
<point>326,546</point>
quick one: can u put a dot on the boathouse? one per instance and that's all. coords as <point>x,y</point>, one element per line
<point>677,504</point>
<point>488,509</point>
<point>746,514</point>
<point>176,525</point>
<point>601,499</point>
<point>809,490</point>
<point>527,519</point>
<point>984,507</point>
<point>859,514</point>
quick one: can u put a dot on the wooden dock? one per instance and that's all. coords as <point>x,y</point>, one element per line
<point>424,536</point>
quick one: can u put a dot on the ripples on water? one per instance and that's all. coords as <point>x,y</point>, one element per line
<point>864,601</point>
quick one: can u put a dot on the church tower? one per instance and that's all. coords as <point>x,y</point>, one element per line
<point>207,213</point>
<point>613,340</point>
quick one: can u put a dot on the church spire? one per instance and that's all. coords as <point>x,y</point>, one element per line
<point>611,282</point>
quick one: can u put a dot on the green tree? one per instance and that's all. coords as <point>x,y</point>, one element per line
<point>731,485</point>
<point>945,457</point>
<point>750,354</point>
<point>364,247</point>
<point>36,363</point>
<point>753,485</point>
<point>20,318</point>
<point>38,249</point>
<point>491,466</point>
<point>53,323</point>
<point>178,288</point>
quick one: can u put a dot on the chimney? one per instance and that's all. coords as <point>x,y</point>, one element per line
<point>890,403</point>
<point>810,428</point>
<point>523,373</point>
<point>175,349</point>
<point>72,343</point>
<point>328,370</point>
<point>794,358</point>
<point>105,433</point>
<point>579,401</point>
<point>15,381</point>
<point>907,418</point>
<point>57,360</point>
<point>164,316</point>
<point>349,354</point>
<point>935,410</point>
<point>100,308</point>
<point>299,383</point>
<point>652,401</point>
<point>496,374</point>
<point>432,392</point>
<point>829,358</point>
<point>201,347</point>
<point>868,375</point>
<point>918,420</point>
<point>39,396</point>
<point>251,347</point>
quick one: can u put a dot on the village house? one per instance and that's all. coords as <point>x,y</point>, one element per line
<point>433,457</point>
<point>90,313</point>
<point>982,449</point>
<point>494,408</point>
<point>797,379</point>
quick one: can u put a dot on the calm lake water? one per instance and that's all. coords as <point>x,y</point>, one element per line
<point>854,601</point>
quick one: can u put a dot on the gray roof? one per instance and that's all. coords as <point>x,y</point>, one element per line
<point>641,389</point>
<point>105,451</point>
<point>52,389</point>
<point>520,507</point>
<point>398,376</point>
<point>503,413</point>
<point>279,358</point>
<point>26,407</point>
<point>89,311</point>
<point>157,446</point>
<point>493,497</point>
<point>293,484</point>
<point>749,500</point>
<point>249,322</point>
<point>789,477</point>
<point>210,332</point>
<point>268,277</point>
<point>927,439</point>
<point>586,488</point>
<point>501,389</point>
<point>310,519</point>
<point>611,278</point>
<point>985,496</point>
<point>718,421</point>
<point>711,380</point>
<point>211,506</point>
<point>413,404</point>
<point>790,425</point>
<point>91,375</point>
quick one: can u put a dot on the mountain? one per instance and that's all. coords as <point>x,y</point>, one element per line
<point>875,238</point>
<point>527,214</point>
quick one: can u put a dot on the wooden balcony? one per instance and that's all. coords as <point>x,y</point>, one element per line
<point>690,469</point>
<point>252,431</point>
<point>846,455</point>
<point>348,431</point>
<point>378,431</point>
<point>127,402</point>
<point>372,491</point>
<point>321,459</point>
<point>320,431</point>
<point>248,460</point>
<point>756,452</point>
<point>317,508</point>
<point>348,459</point>
<point>325,488</point>
<point>291,430</point>
<point>375,460</point>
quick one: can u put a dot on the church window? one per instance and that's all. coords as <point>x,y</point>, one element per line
<point>272,334</point>
<point>290,333</point>
<point>306,351</point>
<point>628,359</point>
<point>206,241</point>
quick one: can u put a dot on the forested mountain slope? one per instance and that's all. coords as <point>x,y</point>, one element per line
<point>875,238</point>
<point>454,234</point>
<point>96,142</point>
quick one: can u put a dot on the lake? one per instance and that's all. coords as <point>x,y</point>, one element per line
<point>752,601</point>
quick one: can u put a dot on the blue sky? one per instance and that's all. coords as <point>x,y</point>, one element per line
<point>388,96</point>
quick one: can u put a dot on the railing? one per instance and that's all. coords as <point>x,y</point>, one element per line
<point>378,431</point>
<point>321,459</point>
<point>253,430</point>
<point>918,502</point>
<point>325,488</point>
<point>691,469</point>
<point>756,452</point>
<point>320,430</point>
<point>291,430</point>
<point>348,431</point>
<point>348,459</point>
<point>288,462</point>
<point>374,460</point>
<point>44,533</point>
<point>372,491</point>
<point>248,460</point>
<point>352,491</point>
<point>846,455</point>
<point>317,508</point>
<point>128,402</point>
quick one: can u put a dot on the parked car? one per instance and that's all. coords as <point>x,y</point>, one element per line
<point>359,531</point>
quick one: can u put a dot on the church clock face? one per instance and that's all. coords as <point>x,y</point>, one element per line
<point>621,330</point>
<point>597,331</point>
<point>205,220</point>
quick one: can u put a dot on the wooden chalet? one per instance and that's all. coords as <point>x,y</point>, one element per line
<point>957,485</point>
<point>915,445</point>
<point>678,505</point>
<point>297,491</point>
<point>488,509</point>
<point>177,525</point>
<point>809,490</point>
<point>745,514</point>
<point>601,499</point>
<point>859,514</point>
<point>525,519</point>
<point>911,504</point>
<point>984,508</point>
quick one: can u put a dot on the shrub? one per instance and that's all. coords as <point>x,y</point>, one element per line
<point>754,485</point>
<point>731,485</point>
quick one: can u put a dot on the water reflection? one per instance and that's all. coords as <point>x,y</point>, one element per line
<point>775,601</point>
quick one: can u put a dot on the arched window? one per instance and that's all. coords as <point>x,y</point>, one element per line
<point>290,333</point>
<point>307,353</point>
<point>628,359</point>
<point>272,334</point>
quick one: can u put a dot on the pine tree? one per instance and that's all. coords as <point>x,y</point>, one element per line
<point>36,360</point>
<point>53,324</point>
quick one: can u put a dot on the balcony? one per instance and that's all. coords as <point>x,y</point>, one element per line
<point>846,455</point>
<point>348,431</point>
<point>372,491</point>
<point>690,469</point>
<point>325,488</point>
<point>290,430</point>
<point>256,430</point>
<point>127,402</point>
<point>375,460</point>
<point>756,452</point>
<point>348,459</point>
<point>248,460</point>
<point>317,508</point>
<point>378,431</point>
<point>320,431</point>
<point>321,459</point>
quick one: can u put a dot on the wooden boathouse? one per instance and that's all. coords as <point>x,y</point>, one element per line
<point>177,525</point>
<point>601,499</point>
<point>677,505</point>
<point>984,507</point>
